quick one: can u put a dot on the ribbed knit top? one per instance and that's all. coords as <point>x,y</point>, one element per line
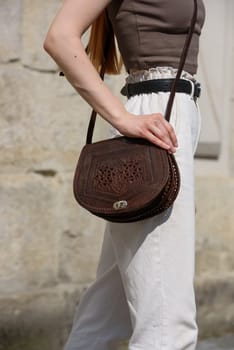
<point>152,33</point>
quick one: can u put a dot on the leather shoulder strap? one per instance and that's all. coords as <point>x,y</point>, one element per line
<point>181,63</point>
<point>93,116</point>
<point>173,90</point>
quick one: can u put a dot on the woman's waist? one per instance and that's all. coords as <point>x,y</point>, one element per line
<point>159,79</point>
<point>138,75</point>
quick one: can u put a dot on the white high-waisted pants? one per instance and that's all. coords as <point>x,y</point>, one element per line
<point>144,290</point>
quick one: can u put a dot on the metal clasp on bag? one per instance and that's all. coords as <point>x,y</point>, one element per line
<point>120,205</point>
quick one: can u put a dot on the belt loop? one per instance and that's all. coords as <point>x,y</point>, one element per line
<point>197,90</point>
<point>192,83</point>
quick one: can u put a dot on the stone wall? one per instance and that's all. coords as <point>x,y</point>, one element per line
<point>50,246</point>
<point>215,177</point>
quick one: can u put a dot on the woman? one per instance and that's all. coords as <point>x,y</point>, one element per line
<point>144,287</point>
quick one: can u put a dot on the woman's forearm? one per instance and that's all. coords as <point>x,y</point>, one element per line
<point>69,54</point>
<point>63,43</point>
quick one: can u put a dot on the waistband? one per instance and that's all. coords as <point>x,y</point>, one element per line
<point>156,73</point>
<point>162,85</point>
<point>160,79</point>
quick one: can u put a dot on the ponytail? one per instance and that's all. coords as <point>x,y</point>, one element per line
<point>101,30</point>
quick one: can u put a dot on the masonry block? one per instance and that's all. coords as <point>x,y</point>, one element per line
<point>29,235</point>
<point>10,29</point>
<point>215,225</point>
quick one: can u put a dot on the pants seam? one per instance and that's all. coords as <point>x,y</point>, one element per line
<point>161,343</point>
<point>163,301</point>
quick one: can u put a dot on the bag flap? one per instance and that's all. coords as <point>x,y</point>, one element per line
<point>119,174</point>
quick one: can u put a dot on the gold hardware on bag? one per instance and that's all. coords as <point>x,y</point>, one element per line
<point>120,205</point>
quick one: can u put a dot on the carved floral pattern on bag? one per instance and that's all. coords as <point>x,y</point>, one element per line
<point>118,178</point>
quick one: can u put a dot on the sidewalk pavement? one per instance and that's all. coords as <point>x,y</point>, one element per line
<point>224,343</point>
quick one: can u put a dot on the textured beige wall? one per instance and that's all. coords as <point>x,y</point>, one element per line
<point>215,178</point>
<point>48,245</point>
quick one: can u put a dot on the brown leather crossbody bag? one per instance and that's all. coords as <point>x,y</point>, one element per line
<point>128,179</point>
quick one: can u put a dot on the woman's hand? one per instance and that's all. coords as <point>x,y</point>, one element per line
<point>153,127</point>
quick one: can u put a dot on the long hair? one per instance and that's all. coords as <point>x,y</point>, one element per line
<point>101,46</point>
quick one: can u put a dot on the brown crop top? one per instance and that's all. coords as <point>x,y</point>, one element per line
<point>151,33</point>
